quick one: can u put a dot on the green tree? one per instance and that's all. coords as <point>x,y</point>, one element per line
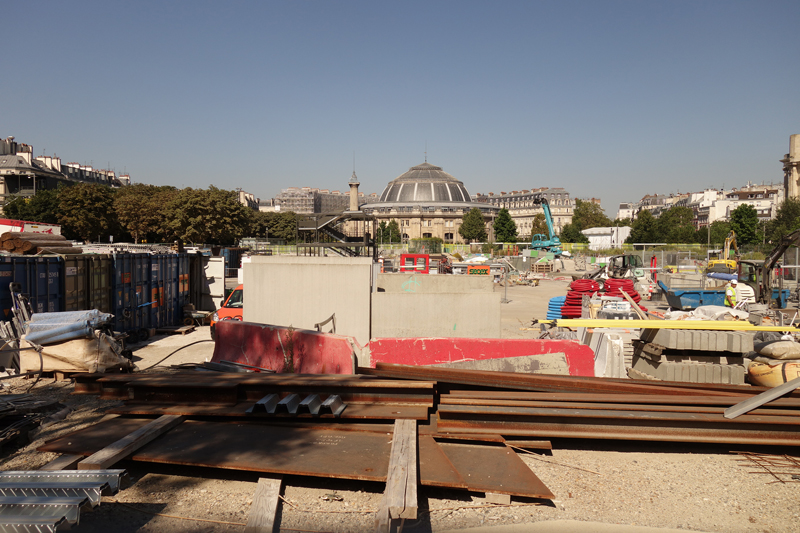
<point>644,228</point>
<point>41,207</point>
<point>473,227</point>
<point>394,231</point>
<point>621,222</point>
<point>382,234</point>
<point>675,225</point>
<point>719,231</point>
<point>86,211</point>
<point>589,215</point>
<point>744,221</point>
<point>570,233</point>
<point>505,229</point>
<point>212,216</point>
<point>141,209</point>
<point>272,225</point>
<point>539,225</point>
<point>786,220</point>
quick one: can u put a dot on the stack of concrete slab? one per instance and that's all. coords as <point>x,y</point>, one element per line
<point>695,356</point>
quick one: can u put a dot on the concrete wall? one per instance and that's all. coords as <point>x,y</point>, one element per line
<point>424,305</point>
<point>433,284</point>
<point>302,291</point>
<point>467,314</point>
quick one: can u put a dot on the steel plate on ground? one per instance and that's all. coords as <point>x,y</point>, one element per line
<point>494,468</point>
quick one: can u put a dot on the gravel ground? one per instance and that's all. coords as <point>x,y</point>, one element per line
<point>689,487</point>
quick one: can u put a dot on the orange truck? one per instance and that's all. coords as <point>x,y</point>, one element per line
<point>232,309</point>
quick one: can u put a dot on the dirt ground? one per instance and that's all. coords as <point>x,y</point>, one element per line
<point>688,487</point>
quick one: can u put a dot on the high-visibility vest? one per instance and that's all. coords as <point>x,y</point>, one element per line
<point>730,296</point>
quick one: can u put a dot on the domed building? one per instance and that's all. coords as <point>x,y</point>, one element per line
<point>427,202</point>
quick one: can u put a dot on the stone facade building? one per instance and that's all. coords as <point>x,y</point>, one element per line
<point>791,168</point>
<point>308,200</point>
<point>427,202</point>
<point>523,210</point>
<point>21,174</point>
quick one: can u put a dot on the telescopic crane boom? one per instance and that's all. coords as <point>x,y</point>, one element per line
<point>549,242</point>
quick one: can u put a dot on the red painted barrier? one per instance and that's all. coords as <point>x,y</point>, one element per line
<point>433,351</point>
<point>284,349</point>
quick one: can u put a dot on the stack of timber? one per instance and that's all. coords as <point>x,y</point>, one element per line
<point>27,243</point>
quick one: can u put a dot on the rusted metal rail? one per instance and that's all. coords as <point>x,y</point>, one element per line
<point>532,382</point>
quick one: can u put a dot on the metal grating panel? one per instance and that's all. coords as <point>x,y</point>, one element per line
<point>25,524</point>
<point>114,477</point>
<point>93,491</point>
<point>42,507</point>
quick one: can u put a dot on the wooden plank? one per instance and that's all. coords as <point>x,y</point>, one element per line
<point>402,477</point>
<point>265,505</point>
<point>130,443</point>
<point>635,306</point>
<point>63,462</point>
<point>400,498</point>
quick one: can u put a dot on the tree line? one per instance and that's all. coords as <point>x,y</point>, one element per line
<point>151,213</point>
<point>148,213</point>
<point>674,226</point>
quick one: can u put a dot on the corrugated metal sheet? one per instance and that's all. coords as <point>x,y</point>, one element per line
<point>43,500</point>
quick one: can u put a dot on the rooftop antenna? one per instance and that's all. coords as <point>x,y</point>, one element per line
<point>426,150</point>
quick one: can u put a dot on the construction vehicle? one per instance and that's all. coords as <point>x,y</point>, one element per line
<point>762,277</point>
<point>625,266</point>
<point>724,264</point>
<point>549,242</point>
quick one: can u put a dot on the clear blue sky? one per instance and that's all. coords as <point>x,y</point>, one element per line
<point>609,99</point>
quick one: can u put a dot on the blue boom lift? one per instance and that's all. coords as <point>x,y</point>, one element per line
<point>549,242</point>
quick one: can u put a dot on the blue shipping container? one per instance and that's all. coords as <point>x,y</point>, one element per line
<point>39,277</point>
<point>131,292</point>
<point>164,287</point>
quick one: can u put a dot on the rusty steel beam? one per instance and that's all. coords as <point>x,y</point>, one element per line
<point>535,382</point>
<point>578,423</point>
<point>628,433</point>
<point>378,411</point>
<point>230,388</point>
<point>640,399</point>
<point>523,415</point>
<point>444,400</point>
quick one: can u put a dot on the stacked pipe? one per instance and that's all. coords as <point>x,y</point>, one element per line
<point>615,287</point>
<point>28,243</point>
<point>554,307</point>
<point>574,301</point>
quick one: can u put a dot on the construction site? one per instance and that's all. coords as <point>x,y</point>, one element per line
<point>417,392</point>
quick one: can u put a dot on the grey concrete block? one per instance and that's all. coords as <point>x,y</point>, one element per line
<point>658,355</point>
<point>702,340</point>
<point>691,372</point>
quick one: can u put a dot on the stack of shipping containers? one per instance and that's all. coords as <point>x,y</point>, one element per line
<point>142,291</point>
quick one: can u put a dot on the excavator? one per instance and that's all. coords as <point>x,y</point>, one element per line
<point>549,242</point>
<point>726,265</point>
<point>760,275</point>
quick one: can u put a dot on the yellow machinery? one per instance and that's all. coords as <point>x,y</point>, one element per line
<point>725,264</point>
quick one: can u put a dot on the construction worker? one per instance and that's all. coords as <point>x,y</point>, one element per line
<point>730,294</point>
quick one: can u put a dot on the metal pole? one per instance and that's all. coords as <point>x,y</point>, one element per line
<point>505,283</point>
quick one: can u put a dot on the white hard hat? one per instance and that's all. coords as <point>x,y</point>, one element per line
<point>734,282</point>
